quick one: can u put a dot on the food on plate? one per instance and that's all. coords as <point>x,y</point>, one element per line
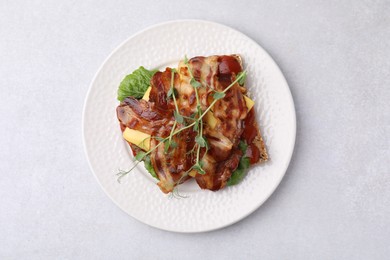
<point>193,121</point>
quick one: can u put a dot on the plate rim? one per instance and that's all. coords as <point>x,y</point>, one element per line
<point>291,149</point>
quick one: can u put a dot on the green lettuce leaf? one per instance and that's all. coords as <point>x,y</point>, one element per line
<point>135,84</point>
<point>149,166</point>
<point>241,170</point>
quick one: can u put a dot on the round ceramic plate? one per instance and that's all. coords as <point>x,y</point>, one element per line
<point>137,194</point>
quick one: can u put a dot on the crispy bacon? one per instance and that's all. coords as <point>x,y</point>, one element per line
<point>217,73</point>
<point>217,174</point>
<point>171,166</point>
<point>161,83</point>
<point>142,115</point>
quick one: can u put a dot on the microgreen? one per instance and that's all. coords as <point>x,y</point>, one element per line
<point>179,118</point>
<point>242,79</point>
<point>201,141</point>
<point>170,93</point>
<point>195,83</point>
<point>166,146</point>
<point>219,95</point>
<point>160,139</point>
<point>198,168</point>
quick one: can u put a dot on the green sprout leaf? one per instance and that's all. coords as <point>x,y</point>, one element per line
<point>173,144</point>
<point>198,168</point>
<point>179,118</point>
<point>201,141</point>
<point>241,81</point>
<point>185,59</point>
<point>170,92</point>
<point>196,125</point>
<point>166,147</point>
<point>219,95</point>
<point>195,83</point>
<point>169,144</point>
<point>160,139</point>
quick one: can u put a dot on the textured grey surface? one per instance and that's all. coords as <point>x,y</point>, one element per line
<point>334,202</point>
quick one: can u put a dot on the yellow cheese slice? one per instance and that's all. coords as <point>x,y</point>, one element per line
<point>138,138</point>
<point>147,93</point>
<point>249,103</point>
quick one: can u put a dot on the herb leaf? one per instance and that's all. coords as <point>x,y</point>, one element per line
<point>242,80</point>
<point>198,168</point>
<point>170,92</point>
<point>173,144</point>
<point>135,84</point>
<point>201,141</point>
<point>160,139</point>
<point>219,95</point>
<point>166,146</point>
<point>179,118</point>
<point>195,83</point>
<point>196,125</point>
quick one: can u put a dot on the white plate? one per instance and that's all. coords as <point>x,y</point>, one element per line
<point>203,210</point>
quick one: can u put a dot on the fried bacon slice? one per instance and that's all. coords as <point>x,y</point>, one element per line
<point>235,122</point>
<point>155,117</point>
<point>142,115</point>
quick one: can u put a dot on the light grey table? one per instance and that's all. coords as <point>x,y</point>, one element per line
<point>334,202</point>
